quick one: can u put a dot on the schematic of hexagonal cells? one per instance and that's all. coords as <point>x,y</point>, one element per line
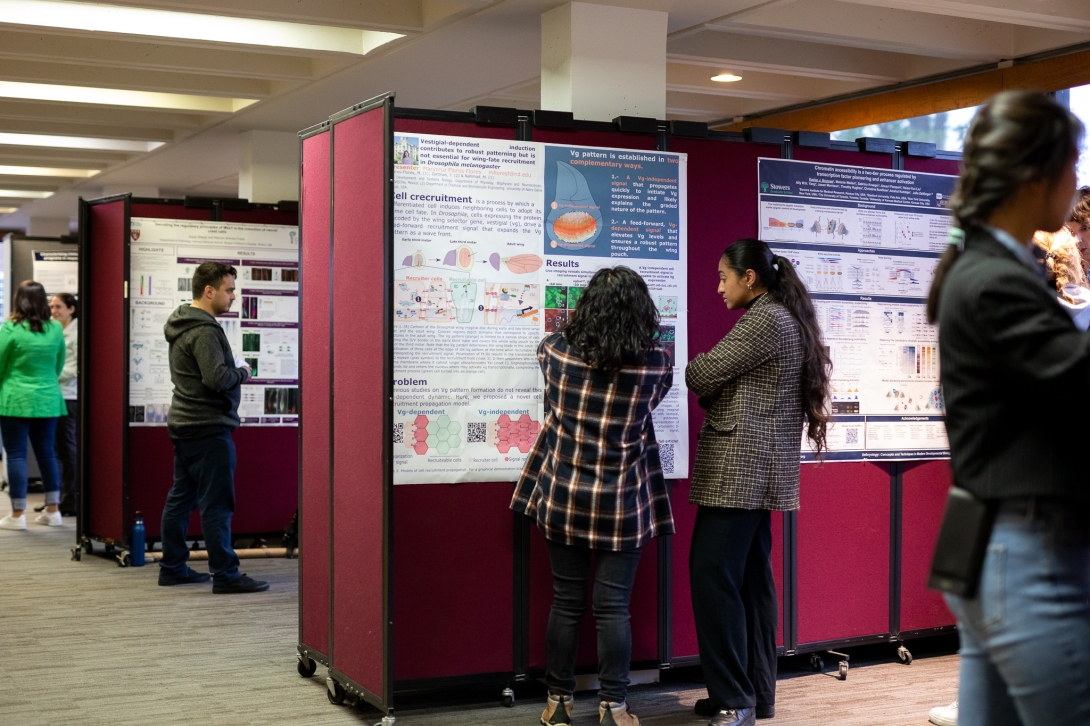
<point>441,435</point>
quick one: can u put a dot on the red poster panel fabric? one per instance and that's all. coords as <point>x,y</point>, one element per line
<point>107,366</point>
<point>453,539</point>
<point>722,189</point>
<point>314,573</point>
<point>359,377</point>
<point>474,633</point>
<point>933,166</point>
<point>170,211</point>
<point>843,551</point>
<point>924,486</point>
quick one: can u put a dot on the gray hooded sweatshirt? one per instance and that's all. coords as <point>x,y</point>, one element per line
<point>207,385</point>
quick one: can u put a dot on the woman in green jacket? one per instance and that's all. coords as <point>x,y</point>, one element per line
<point>31,358</point>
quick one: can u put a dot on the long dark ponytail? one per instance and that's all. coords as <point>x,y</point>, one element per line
<point>1015,138</point>
<point>783,283</point>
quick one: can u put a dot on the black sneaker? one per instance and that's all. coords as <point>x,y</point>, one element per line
<point>242,583</point>
<point>190,577</point>
<point>705,708</point>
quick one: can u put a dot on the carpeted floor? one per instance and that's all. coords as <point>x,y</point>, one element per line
<point>93,644</point>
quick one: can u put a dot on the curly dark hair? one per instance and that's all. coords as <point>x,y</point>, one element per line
<point>615,322</point>
<point>30,305</point>
<point>783,283</point>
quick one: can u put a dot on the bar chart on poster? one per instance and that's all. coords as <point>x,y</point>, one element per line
<point>494,242</point>
<point>866,243</point>
<point>262,325</point>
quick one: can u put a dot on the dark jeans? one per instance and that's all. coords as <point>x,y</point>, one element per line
<point>735,605</point>
<point>67,436</point>
<point>204,475</point>
<point>614,574</point>
<point>41,431</point>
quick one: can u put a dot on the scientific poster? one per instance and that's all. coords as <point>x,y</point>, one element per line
<point>866,243</point>
<point>57,271</point>
<point>494,243</point>
<point>262,325</point>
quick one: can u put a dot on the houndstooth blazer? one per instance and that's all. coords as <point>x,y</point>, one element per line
<point>747,455</point>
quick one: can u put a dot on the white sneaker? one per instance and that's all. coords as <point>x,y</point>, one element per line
<point>10,522</point>
<point>50,519</point>
<point>945,715</point>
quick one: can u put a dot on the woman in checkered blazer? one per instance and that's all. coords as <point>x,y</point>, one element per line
<point>759,384</point>
<point>593,481</point>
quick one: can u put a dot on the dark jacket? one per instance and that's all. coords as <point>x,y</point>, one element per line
<point>1014,370</point>
<point>748,453</point>
<point>207,385</point>
<point>593,478</point>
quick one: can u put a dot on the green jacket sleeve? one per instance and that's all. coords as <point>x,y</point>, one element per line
<point>60,349</point>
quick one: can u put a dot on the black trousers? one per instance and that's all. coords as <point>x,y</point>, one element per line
<point>67,436</point>
<point>735,605</point>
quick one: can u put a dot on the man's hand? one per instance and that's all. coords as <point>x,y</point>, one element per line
<point>248,371</point>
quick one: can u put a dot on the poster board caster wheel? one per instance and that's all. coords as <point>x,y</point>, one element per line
<point>306,666</point>
<point>334,692</point>
<point>77,554</point>
<point>123,558</point>
<point>842,674</point>
<point>88,547</point>
<point>508,698</point>
<point>904,655</point>
<point>816,663</point>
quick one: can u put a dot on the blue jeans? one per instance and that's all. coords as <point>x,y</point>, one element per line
<point>1025,638</point>
<point>42,432</point>
<point>204,476</point>
<point>613,577</point>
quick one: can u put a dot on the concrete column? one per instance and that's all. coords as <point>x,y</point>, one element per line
<point>48,226</point>
<point>268,168</point>
<point>600,62</point>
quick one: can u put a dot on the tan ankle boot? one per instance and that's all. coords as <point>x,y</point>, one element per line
<point>554,715</point>
<point>616,716</point>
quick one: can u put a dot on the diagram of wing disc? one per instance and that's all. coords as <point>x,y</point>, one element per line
<point>575,221</point>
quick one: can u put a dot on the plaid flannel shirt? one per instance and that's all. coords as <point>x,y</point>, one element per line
<point>748,453</point>
<point>593,478</point>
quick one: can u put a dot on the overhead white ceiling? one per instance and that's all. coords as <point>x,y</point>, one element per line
<point>455,54</point>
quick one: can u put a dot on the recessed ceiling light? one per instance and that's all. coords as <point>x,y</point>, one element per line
<point>191,26</point>
<point>23,194</point>
<point>78,142</point>
<point>46,171</point>
<point>8,210</point>
<point>118,97</point>
<point>721,78</point>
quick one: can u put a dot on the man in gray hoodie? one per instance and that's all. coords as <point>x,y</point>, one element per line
<point>203,413</point>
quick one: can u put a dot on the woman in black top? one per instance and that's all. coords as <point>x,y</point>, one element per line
<point>1013,366</point>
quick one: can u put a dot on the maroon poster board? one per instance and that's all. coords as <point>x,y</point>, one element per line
<point>314,333</point>
<point>360,389</point>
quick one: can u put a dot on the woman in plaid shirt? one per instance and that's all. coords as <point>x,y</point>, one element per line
<point>758,384</point>
<point>593,481</point>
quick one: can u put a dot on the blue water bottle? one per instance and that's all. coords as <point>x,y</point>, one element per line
<point>137,545</point>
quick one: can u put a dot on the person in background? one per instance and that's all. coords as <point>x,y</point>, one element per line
<point>1064,263</point>
<point>203,413</point>
<point>1078,224</point>
<point>31,359</point>
<point>758,384</point>
<point>1013,366</point>
<point>63,307</point>
<point>593,480</point>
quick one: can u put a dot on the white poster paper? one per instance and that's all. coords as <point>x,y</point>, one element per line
<point>262,325</point>
<point>494,243</point>
<point>866,243</point>
<point>57,271</point>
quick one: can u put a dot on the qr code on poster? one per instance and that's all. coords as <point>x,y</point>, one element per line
<point>666,456</point>
<point>399,433</point>
<point>851,435</point>
<point>477,432</point>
